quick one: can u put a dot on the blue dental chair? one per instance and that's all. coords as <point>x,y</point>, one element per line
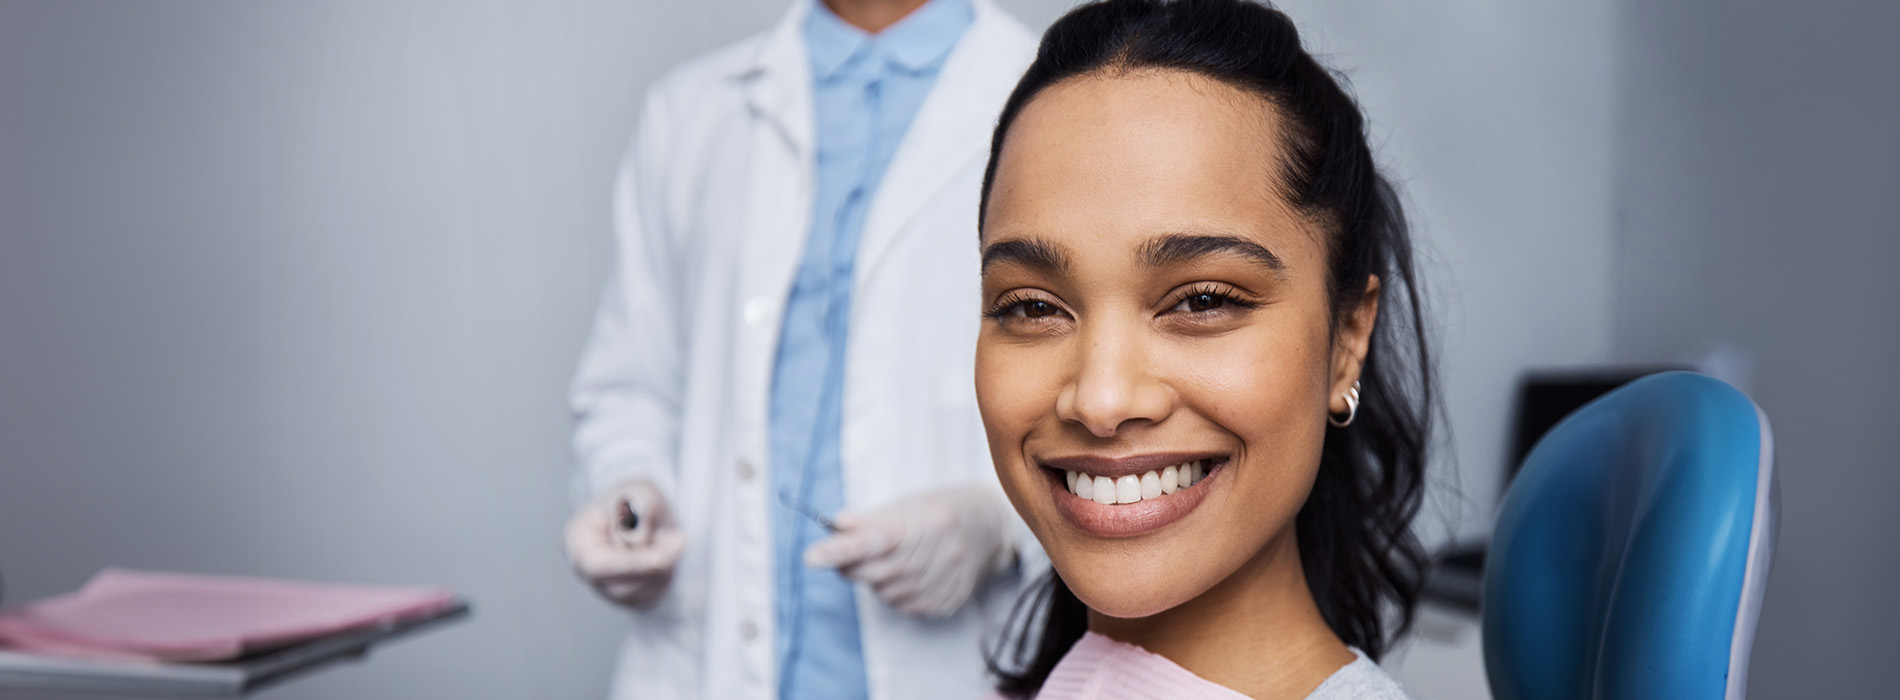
<point>1632,549</point>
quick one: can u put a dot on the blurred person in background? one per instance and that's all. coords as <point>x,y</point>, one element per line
<point>771,407</point>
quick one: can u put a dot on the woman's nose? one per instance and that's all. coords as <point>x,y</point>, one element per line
<point>1113,385</point>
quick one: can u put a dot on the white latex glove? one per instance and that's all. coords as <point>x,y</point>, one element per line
<point>924,554</point>
<point>630,566</point>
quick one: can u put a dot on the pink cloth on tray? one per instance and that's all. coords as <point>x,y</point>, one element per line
<point>122,614</point>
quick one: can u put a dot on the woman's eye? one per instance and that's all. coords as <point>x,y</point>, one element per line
<point>1204,301</point>
<point>1023,309</point>
<point>1035,309</point>
<point>1211,301</point>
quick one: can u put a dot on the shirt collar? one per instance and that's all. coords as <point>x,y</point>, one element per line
<point>917,42</point>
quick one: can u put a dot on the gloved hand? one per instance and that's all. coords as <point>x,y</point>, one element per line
<point>624,543</point>
<point>924,554</point>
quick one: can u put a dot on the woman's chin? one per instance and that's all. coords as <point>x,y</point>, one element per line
<point>1128,597</point>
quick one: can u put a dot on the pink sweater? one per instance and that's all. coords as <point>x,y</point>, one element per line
<point>1099,668</point>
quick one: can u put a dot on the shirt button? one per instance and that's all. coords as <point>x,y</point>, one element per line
<point>745,470</point>
<point>756,310</point>
<point>749,630</point>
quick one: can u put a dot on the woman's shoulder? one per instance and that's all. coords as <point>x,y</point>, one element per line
<point>1360,680</point>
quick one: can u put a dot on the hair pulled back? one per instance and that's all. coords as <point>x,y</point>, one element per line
<point>1361,560</point>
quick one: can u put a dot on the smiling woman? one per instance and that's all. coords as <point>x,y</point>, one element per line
<point>1193,392</point>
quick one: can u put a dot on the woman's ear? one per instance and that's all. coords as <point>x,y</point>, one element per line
<point>1351,340</point>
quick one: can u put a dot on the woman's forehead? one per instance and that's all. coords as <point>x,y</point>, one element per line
<point>1147,116</point>
<point>1123,160</point>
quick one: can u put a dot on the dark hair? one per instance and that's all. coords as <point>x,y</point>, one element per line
<point>1361,560</point>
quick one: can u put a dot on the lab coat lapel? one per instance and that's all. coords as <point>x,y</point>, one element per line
<point>952,127</point>
<point>778,82</point>
<point>778,92</point>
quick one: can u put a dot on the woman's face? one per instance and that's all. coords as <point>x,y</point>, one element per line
<point>1158,337</point>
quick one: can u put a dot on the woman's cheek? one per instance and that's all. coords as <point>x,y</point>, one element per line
<point>1002,404</point>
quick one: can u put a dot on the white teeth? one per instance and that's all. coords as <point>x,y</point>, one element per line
<point>1134,488</point>
<point>1128,489</point>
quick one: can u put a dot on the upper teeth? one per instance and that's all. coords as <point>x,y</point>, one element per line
<point>1132,488</point>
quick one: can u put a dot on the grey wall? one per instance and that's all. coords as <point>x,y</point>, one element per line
<point>1495,116</point>
<point>292,289</point>
<point>1759,208</point>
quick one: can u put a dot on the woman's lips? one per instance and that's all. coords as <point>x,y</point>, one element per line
<point>1151,512</point>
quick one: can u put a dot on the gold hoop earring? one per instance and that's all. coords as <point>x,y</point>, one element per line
<point>1352,408</point>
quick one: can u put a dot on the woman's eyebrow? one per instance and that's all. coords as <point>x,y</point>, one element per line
<point>1030,252</point>
<point>1178,248</point>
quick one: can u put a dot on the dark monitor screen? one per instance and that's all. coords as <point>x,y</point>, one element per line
<point>1544,398</point>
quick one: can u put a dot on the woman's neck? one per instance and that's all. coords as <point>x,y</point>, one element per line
<point>1258,632</point>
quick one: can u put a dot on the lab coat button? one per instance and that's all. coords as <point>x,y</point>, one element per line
<point>757,309</point>
<point>749,630</point>
<point>745,470</point>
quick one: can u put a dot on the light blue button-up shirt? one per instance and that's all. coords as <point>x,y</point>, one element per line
<point>867,88</point>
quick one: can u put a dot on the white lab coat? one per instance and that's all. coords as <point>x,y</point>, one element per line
<point>711,211</point>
